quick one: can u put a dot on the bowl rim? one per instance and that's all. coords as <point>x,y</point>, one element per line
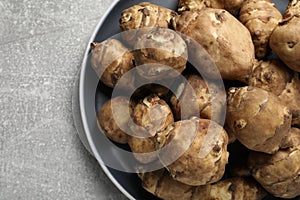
<point>82,100</point>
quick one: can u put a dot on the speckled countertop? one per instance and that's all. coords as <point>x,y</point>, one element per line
<point>41,49</point>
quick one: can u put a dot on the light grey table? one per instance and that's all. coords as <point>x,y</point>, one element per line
<point>41,49</point>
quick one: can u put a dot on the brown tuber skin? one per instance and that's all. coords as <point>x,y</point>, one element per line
<point>143,15</point>
<point>233,56</point>
<point>162,185</point>
<point>203,98</point>
<point>257,118</point>
<point>115,126</point>
<point>147,89</point>
<point>285,40</point>
<point>260,17</point>
<point>279,173</point>
<point>275,77</point>
<point>230,189</point>
<point>293,9</point>
<point>231,136</point>
<point>271,75</point>
<point>291,97</point>
<point>142,145</point>
<point>165,52</point>
<point>194,167</point>
<point>196,5</point>
<point>152,115</point>
<point>111,60</point>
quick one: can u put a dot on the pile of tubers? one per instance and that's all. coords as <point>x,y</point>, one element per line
<point>262,92</point>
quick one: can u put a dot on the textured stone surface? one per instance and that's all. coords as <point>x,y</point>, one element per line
<point>41,49</point>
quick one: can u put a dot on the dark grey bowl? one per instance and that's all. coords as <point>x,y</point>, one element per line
<point>91,95</point>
